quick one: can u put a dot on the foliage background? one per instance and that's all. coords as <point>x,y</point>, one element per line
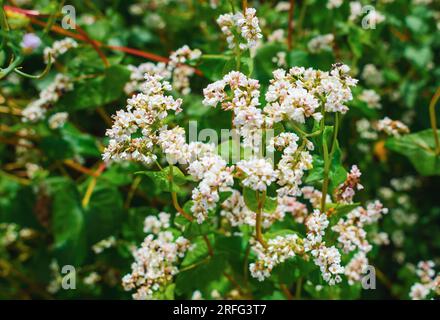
<point>73,201</point>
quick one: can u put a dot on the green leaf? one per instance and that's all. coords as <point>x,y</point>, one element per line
<point>419,148</point>
<point>96,92</point>
<point>213,66</point>
<point>81,143</point>
<point>67,221</point>
<point>104,213</point>
<point>161,179</point>
<point>250,199</point>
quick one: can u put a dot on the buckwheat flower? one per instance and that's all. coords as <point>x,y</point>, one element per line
<point>371,98</point>
<point>155,264</point>
<point>374,17</point>
<point>282,6</point>
<point>179,69</point>
<point>227,24</point>
<point>145,112</point>
<point>197,295</point>
<point>277,36</point>
<point>425,271</point>
<point>258,173</point>
<point>59,48</point>
<point>355,10</point>
<point>287,100</point>
<point>104,244</point>
<point>58,120</point>
<point>30,42</point>
<point>214,176</point>
<point>314,196</point>
<point>291,168</point>
<point>277,251</point>
<point>316,223</point>
<point>321,43</point>
<point>173,144</point>
<point>351,236</point>
<point>36,110</point>
<point>346,191</point>
<point>380,238</point>
<point>280,59</point>
<point>366,130</point>
<point>392,127</point>
<point>332,4</point>
<point>153,224</point>
<point>237,213</point>
<point>419,292</point>
<point>291,205</point>
<point>355,269</point>
<point>137,75</point>
<point>247,25</point>
<point>328,259</point>
<point>371,75</point>
<point>92,278</point>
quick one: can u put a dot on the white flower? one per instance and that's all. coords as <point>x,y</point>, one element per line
<point>392,127</point>
<point>58,48</point>
<point>247,25</point>
<point>355,269</point>
<point>277,251</point>
<point>332,4</point>
<point>371,75</point>
<point>371,98</point>
<point>259,173</point>
<point>155,264</point>
<point>153,224</point>
<point>321,43</point>
<point>58,120</point>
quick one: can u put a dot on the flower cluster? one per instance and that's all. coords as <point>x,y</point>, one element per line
<point>137,75</point>
<point>179,69</point>
<point>240,94</point>
<point>351,231</point>
<point>36,110</point>
<point>392,127</point>
<point>294,161</point>
<point>371,75</point>
<point>371,98</point>
<point>214,176</point>
<point>346,191</point>
<point>321,43</point>
<point>155,264</point>
<point>275,252</point>
<point>237,213</point>
<point>145,112</point>
<point>246,25</point>
<point>58,48</point>
<point>153,224</point>
<point>356,267</point>
<point>429,281</point>
<point>328,259</point>
<point>258,173</point>
<point>58,120</point>
<point>296,95</point>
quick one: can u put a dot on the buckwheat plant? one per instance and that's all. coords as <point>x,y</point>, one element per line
<point>288,203</point>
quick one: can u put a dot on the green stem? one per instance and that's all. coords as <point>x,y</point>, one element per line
<point>298,288</point>
<point>302,14</point>
<point>328,157</point>
<point>258,219</point>
<point>326,172</point>
<point>433,120</point>
<point>174,198</point>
